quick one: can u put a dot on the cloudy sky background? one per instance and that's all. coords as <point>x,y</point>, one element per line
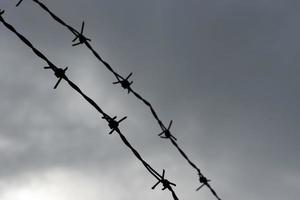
<point>227,73</point>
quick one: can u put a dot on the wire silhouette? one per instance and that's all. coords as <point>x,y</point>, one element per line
<point>112,123</point>
<point>125,84</point>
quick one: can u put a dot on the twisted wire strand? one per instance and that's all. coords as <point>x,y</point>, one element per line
<point>76,33</point>
<point>55,69</point>
<point>136,94</point>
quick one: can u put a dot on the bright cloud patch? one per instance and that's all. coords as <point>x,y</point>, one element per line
<point>58,185</point>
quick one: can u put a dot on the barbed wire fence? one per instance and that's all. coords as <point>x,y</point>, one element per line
<point>112,122</point>
<point>126,84</point>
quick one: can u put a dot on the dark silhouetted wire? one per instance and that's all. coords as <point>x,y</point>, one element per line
<point>19,3</point>
<point>113,124</point>
<point>166,134</point>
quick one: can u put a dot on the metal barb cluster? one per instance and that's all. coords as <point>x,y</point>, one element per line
<point>166,134</point>
<point>80,37</point>
<point>58,72</point>
<point>113,123</point>
<point>202,180</point>
<point>124,82</point>
<point>166,184</point>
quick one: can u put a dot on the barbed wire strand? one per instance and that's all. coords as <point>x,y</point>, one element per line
<point>113,124</point>
<point>203,180</point>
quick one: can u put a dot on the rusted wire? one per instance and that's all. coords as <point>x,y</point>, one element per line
<point>125,84</point>
<point>112,123</point>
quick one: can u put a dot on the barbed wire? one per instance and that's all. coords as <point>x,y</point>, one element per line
<point>126,84</point>
<point>112,122</point>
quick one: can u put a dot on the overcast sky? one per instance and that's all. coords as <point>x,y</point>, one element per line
<point>226,72</point>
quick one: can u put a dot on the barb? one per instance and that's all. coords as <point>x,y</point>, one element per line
<point>166,134</point>
<point>164,182</point>
<point>112,123</point>
<point>59,73</point>
<point>80,37</point>
<point>202,180</point>
<point>125,84</point>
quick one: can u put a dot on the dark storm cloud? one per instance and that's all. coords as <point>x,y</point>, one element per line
<point>225,72</point>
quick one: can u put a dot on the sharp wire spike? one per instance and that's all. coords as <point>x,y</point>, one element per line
<point>75,38</point>
<point>125,84</point>
<point>116,82</point>
<point>166,132</point>
<point>79,36</point>
<point>199,187</point>
<point>82,27</point>
<point>122,119</point>
<point>166,184</point>
<point>174,137</point>
<point>170,124</point>
<point>57,83</point>
<point>58,72</point>
<point>76,44</point>
<point>128,76</point>
<point>19,3</point>
<point>161,133</point>
<point>154,186</point>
